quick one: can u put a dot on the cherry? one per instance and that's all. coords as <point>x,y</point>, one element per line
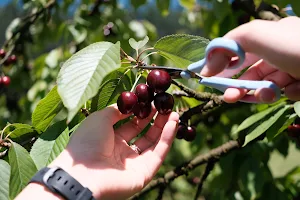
<point>294,130</point>
<point>142,110</point>
<point>159,80</point>
<point>5,80</point>
<point>2,53</point>
<point>12,59</point>
<point>126,102</point>
<point>144,93</point>
<point>181,131</point>
<point>164,103</point>
<point>190,134</point>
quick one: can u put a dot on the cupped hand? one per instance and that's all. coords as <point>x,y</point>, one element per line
<point>100,158</point>
<point>273,54</point>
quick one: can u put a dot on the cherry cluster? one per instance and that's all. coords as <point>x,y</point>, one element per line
<point>139,101</point>
<point>185,132</point>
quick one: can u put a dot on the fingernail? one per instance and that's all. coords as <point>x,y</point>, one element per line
<point>266,97</point>
<point>204,71</point>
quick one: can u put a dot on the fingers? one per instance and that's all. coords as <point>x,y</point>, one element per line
<point>264,38</point>
<point>155,154</point>
<point>111,113</point>
<point>292,91</point>
<point>134,127</point>
<point>249,60</point>
<point>154,134</point>
<point>260,71</point>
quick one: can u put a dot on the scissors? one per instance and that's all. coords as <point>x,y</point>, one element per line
<point>221,83</point>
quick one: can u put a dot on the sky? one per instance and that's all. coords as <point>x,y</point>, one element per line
<point>4,2</point>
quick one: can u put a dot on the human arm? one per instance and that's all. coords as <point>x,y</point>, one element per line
<point>99,157</point>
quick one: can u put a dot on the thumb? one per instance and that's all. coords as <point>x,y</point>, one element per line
<point>249,36</point>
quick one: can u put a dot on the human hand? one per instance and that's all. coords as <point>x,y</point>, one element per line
<point>273,51</point>
<point>99,157</point>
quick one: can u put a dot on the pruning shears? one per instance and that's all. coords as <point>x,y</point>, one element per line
<point>221,83</point>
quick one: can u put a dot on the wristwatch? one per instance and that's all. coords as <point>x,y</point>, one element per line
<point>60,182</point>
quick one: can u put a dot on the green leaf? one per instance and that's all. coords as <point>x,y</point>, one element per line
<point>4,180</point>
<point>297,107</point>
<point>257,117</point>
<point>280,126</point>
<point>137,45</point>
<point>81,76</point>
<point>46,110</point>
<point>182,49</point>
<point>188,4</point>
<point>260,129</point>
<point>296,7</point>
<point>114,84</point>
<point>18,130</point>
<point>50,144</point>
<point>22,169</point>
<point>163,6</point>
<point>137,3</point>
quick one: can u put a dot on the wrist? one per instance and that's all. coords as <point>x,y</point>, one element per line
<point>78,171</point>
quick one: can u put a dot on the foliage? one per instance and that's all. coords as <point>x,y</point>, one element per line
<point>74,58</point>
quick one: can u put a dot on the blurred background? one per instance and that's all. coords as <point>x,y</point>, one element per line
<point>42,34</point>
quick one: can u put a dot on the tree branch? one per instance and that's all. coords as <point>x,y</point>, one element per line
<point>200,109</point>
<point>201,96</point>
<point>209,167</point>
<point>212,156</point>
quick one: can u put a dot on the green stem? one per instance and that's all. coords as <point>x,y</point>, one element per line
<point>136,81</point>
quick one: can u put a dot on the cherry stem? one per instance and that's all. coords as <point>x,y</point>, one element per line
<point>1,136</point>
<point>139,55</point>
<point>136,81</point>
<point>149,55</point>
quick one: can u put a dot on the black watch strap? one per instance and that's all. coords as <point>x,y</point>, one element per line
<point>59,181</point>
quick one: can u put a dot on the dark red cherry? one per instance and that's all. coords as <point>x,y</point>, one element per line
<point>181,131</point>
<point>164,103</point>
<point>159,80</point>
<point>144,93</point>
<point>126,102</point>
<point>293,130</point>
<point>142,110</point>
<point>12,59</point>
<point>5,80</point>
<point>2,53</point>
<point>190,134</point>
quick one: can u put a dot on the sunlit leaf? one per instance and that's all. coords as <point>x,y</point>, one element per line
<point>182,49</point>
<point>18,130</point>
<point>50,144</point>
<point>138,44</point>
<point>280,126</point>
<point>22,168</point>
<point>297,108</point>
<point>260,129</point>
<point>114,84</point>
<point>46,110</point>
<point>257,117</point>
<point>4,180</point>
<point>81,76</point>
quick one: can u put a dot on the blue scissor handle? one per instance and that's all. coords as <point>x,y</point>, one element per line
<point>220,43</point>
<point>223,83</point>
